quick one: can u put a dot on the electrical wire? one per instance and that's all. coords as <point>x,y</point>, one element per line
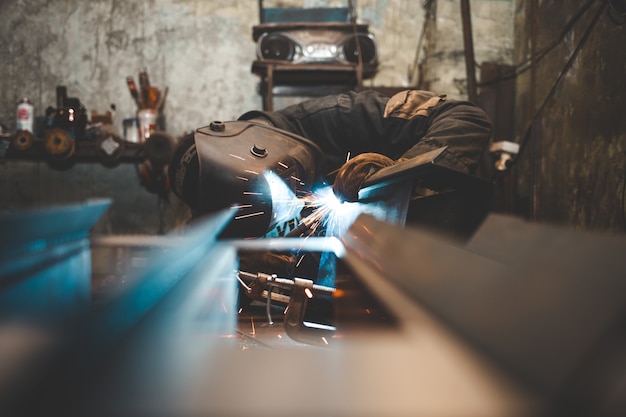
<point>359,69</point>
<point>617,13</point>
<point>623,201</point>
<point>525,65</point>
<point>564,71</point>
<point>428,6</point>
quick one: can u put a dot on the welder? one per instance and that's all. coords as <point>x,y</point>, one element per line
<point>351,135</point>
<point>342,139</point>
<point>384,130</point>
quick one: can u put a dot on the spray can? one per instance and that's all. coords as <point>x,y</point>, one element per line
<point>25,115</point>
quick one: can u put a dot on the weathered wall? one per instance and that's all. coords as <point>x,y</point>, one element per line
<point>572,168</point>
<point>202,50</point>
<point>443,54</point>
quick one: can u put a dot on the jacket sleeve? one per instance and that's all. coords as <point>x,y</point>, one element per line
<point>420,121</point>
<point>339,124</point>
<point>461,126</point>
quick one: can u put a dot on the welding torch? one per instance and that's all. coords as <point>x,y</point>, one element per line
<point>310,223</point>
<point>284,283</point>
<point>259,285</point>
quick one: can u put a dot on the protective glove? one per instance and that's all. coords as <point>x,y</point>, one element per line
<point>351,175</point>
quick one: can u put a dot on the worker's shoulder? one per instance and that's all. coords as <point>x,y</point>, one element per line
<point>411,103</point>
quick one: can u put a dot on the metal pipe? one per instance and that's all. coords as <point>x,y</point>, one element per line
<point>535,168</point>
<point>468,44</point>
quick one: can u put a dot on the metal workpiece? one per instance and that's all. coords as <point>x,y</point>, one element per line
<point>45,267</point>
<point>429,171</point>
<point>187,291</point>
<point>478,319</point>
<point>541,304</point>
<point>411,168</point>
<point>522,320</point>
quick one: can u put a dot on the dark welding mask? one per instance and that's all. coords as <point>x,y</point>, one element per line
<point>254,169</point>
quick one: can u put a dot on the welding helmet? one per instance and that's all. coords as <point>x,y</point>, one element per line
<point>254,169</point>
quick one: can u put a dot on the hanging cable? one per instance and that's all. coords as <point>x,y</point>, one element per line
<point>617,11</point>
<point>359,68</point>
<point>525,65</point>
<point>428,7</point>
<point>623,201</point>
<point>566,68</point>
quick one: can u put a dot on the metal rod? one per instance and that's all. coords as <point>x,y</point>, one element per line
<point>268,305</point>
<point>535,167</point>
<point>284,283</point>
<point>469,51</point>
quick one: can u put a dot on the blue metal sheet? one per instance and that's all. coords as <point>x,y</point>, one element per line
<point>314,14</point>
<point>45,262</point>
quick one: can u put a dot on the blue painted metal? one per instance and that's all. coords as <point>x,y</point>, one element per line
<point>45,262</point>
<point>314,14</point>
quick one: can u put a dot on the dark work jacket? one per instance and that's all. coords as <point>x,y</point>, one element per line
<point>410,123</point>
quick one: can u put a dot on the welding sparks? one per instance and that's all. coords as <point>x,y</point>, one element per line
<point>243,216</point>
<point>285,205</point>
<point>328,213</point>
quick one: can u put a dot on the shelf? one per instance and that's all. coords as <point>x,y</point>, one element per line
<point>85,151</point>
<point>282,78</point>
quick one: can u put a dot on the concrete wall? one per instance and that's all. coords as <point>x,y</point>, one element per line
<point>573,164</point>
<point>202,50</point>
<point>443,66</point>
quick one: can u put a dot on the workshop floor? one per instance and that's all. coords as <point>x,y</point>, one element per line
<point>255,330</point>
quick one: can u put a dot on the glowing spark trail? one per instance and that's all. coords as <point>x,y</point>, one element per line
<point>243,216</point>
<point>328,213</point>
